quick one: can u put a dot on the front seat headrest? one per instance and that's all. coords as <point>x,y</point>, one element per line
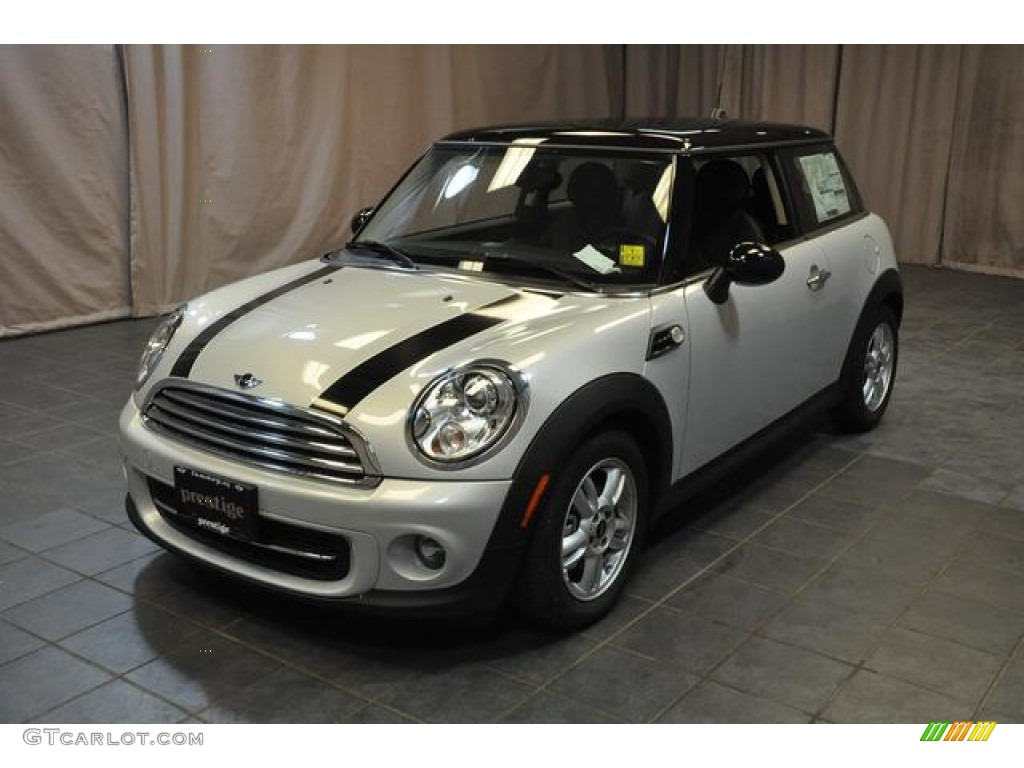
<point>722,186</point>
<point>592,187</point>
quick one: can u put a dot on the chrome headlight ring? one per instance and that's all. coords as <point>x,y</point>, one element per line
<point>154,349</point>
<point>467,413</point>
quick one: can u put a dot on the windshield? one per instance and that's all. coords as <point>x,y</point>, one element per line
<point>589,217</point>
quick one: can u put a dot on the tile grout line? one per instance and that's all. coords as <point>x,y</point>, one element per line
<point>756,631</point>
<point>56,645</point>
<point>114,678</point>
<point>802,588</point>
<point>1015,654</point>
<point>81,577</point>
<point>922,590</point>
<point>661,602</point>
<point>367,700</point>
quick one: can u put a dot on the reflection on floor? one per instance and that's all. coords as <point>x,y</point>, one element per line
<point>877,578</point>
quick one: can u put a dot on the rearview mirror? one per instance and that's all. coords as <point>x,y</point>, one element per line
<point>747,264</point>
<point>360,219</point>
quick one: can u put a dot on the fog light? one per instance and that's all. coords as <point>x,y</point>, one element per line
<point>430,553</point>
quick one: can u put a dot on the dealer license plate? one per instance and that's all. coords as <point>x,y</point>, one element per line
<point>216,504</point>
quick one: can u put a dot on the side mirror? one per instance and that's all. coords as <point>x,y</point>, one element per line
<point>360,219</point>
<point>746,264</point>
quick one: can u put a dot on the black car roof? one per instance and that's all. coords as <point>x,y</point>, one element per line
<point>692,134</point>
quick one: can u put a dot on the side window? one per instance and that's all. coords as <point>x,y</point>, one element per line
<point>736,198</point>
<point>766,203</point>
<point>822,189</point>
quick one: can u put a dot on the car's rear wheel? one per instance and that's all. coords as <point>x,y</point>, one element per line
<point>870,372</point>
<point>586,536</point>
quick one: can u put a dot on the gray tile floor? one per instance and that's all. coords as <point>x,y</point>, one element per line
<point>877,578</point>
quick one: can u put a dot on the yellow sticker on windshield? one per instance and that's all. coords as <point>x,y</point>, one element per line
<point>631,255</point>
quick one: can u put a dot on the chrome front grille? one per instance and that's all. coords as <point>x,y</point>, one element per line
<point>259,431</point>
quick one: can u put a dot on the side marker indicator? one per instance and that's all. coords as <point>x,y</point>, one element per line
<point>535,498</point>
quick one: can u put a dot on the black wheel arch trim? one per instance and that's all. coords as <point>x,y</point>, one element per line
<point>887,288</point>
<point>607,401</point>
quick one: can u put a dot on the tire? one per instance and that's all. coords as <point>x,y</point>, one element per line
<point>595,511</point>
<point>869,372</point>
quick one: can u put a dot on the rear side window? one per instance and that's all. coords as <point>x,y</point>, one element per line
<point>823,191</point>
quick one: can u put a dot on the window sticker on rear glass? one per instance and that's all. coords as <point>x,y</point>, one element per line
<point>825,183</point>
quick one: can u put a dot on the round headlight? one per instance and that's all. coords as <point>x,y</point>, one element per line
<point>463,413</point>
<point>156,345</point>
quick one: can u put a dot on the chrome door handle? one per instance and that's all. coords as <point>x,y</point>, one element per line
<point>817,278</point>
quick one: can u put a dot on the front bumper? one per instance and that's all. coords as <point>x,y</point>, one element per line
<point>377,525</point>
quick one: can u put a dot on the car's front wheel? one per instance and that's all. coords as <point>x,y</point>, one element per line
<point>870,372</point>
<point>587,535</point>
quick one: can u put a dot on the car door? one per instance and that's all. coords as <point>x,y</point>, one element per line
<point>832,215</point>
<point>761,353</point>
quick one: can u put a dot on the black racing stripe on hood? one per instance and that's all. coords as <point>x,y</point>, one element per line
<point>346,392</point>
<point>183,365</point>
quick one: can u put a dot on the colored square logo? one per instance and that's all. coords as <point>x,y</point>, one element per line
<point>631,255</point>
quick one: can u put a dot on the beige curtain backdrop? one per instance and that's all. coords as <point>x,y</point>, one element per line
<point>895,126</point>
<point>245,158</point>
<point>934,133</point>
<point>63,187</point>
<point>984,222</point>
<point>672,80</point>
<point>780,83</point>
<point>131,189</point>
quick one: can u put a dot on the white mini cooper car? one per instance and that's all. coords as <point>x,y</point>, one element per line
<point>540,340</point>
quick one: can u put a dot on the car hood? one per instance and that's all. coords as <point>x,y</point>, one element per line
<point>340,326</point>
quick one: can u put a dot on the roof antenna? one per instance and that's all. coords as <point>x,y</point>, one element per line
<point>718,111</point>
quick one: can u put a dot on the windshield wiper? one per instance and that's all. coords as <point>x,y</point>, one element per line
<point>579,282</point>
<point>386,250</point>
